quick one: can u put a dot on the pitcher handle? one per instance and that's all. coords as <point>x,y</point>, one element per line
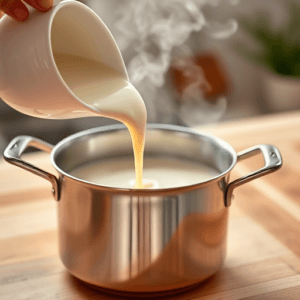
<point>12,154</point>
<point>273,162</point>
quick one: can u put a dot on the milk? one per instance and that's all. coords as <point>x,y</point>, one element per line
<point>164,172</point>
<point>104,89</point>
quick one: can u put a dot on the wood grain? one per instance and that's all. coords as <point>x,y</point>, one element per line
<point>284,294</point>
<point>263,255</point>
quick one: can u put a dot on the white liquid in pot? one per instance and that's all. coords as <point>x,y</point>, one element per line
<point>103,88</point>
<point>158,172</point>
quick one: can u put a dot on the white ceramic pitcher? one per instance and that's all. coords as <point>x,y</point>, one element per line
<point>30,81</point>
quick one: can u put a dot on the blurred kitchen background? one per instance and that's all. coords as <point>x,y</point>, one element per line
<point>194,62</point>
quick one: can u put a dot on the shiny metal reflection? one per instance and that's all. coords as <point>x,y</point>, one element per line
<point>141,240</point>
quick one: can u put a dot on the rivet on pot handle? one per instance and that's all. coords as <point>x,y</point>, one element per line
<point>273,162</point>
<point>15,149</point>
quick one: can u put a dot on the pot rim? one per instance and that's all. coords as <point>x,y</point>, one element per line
<point>133,191</point>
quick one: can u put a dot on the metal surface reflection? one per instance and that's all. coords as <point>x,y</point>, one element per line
<point>142,244</point>
<point>131,240</point>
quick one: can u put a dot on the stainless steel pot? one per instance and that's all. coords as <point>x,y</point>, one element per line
<point>132,240</point>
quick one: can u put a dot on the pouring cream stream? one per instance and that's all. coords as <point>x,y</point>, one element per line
<point>104,89</point>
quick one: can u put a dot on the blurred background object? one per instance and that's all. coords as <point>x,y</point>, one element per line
<point>277,52</point>
<point>201,85</point>
<point>192,63</point>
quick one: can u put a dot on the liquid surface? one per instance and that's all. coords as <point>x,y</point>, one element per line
<point>158,172</point>
<point>104,89</point>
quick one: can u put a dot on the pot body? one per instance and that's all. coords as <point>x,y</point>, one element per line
<point>141,243</point>
<point>142,240</point>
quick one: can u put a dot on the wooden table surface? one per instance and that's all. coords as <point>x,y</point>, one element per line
<point>263,257</point>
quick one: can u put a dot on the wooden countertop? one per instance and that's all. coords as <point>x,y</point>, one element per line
<point>263,257</point>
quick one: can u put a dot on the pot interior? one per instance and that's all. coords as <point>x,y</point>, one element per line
<point>161,141</point>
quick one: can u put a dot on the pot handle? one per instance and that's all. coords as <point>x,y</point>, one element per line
<point>12,154</point>
<point>273,162</point>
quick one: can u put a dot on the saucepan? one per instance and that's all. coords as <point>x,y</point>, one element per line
<point>148,240</point>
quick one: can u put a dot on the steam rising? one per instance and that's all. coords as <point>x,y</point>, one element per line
<point>148,32</point>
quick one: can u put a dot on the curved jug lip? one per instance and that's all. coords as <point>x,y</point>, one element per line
<point>40,23</point>
<point>113,49</point>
